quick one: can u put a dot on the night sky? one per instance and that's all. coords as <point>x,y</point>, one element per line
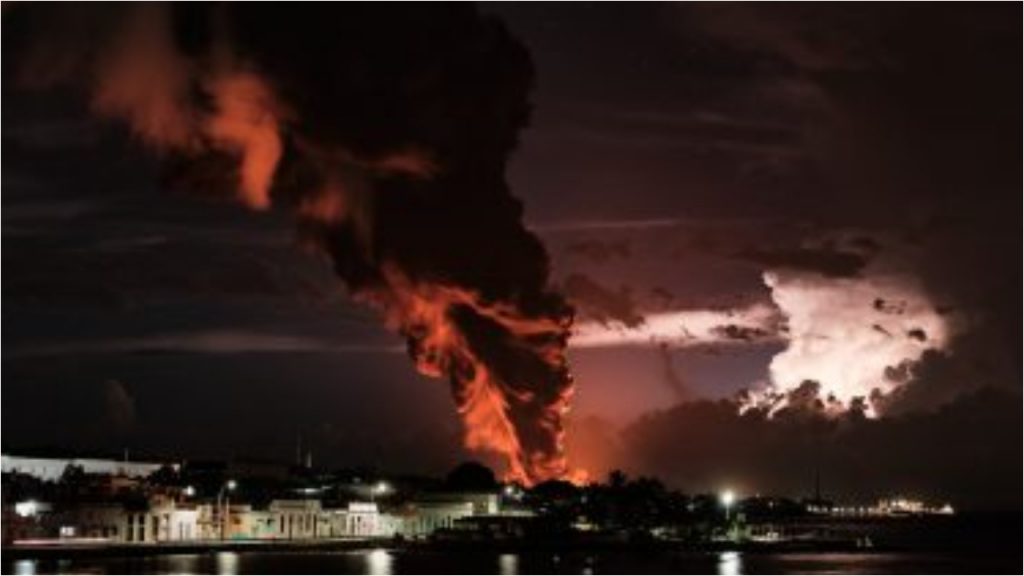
<point>819,200</point>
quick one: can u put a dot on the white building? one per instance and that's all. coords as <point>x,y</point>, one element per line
<point>423,518</point>
<point>163,521</point>
<point>358,519</point>
<point>296,519</point>
<point>51,469</point>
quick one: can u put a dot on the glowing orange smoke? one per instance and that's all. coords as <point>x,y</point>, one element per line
<point>424,313</point>
<point>246,123</point>
<point>143,80</point>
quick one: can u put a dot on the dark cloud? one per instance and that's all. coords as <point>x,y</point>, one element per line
<point>603,305</point>
<point>662,296</point>
<point>225,341</point>
<point>831,263</point>
<point>938,379</point>
<point>671,376</point>
<point>120,405</point>
<point>599,251</point>
<point>743,333</point>
<point>931,455</point>
<point>235,405</point>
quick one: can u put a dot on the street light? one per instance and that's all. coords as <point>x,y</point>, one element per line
<point>727,498</point>
<point>190,491</point>
<point>379,489</point>
<point>226,508</point>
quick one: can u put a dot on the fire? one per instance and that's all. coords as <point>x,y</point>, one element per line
<point>373,195</point>
<point>489,402</point>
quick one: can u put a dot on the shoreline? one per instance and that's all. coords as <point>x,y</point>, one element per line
<point>83,550</point>
<point>61,550</point>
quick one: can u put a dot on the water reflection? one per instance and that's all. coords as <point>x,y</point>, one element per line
<point>188,564</point>
<point>379,562</point>
<point>730,564</point>
<point>227,563</point>
<point>508,564</point>
<point>25,567</point>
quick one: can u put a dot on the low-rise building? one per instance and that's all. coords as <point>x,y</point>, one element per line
<point>296,519</point>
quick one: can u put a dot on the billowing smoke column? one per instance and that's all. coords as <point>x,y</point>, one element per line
<point>387,130</point>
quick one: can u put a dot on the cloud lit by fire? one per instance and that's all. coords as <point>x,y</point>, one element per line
<point>684,328</point>
<point>857,338</point>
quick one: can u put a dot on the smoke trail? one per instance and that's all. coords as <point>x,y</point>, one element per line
<point>671,377</point>
<point>387,131</point>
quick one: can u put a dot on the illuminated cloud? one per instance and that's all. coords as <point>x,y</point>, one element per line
<point>683,328</point>
<point>855,337</point>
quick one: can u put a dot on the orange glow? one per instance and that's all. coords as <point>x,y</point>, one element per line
<point>142,80</point>
<point>246,123</point>
<point>327,205</point>
<point>411,162</point>
<point>440,347</point>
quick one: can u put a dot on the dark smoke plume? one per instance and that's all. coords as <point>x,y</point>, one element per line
<point>386,128</point>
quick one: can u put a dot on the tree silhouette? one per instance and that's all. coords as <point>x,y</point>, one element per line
<point>470,476</point>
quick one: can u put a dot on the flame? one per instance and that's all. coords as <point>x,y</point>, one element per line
<point>426,313</point>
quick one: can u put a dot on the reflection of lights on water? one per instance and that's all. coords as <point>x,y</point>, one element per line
<point>730,564</point>
<point>379,562</point>
<point>508,564</point>
<point>183,563</point>
<point>227,563</point>
<point>25,567</point>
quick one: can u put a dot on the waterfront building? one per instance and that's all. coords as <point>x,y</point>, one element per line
<point>421,518</point>
<point>296,519</point>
